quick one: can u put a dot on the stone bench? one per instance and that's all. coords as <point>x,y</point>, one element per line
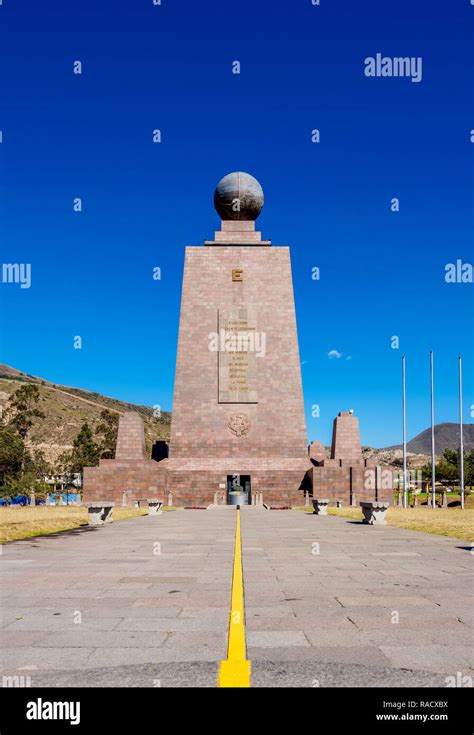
<point>100,512</point>
<point>374,512</point>
<point>154,506</point>
<point>140,503</point>
<point>320,506</point>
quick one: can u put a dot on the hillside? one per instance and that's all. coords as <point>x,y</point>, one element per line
<point>394,457</point>
<point>67,408</point>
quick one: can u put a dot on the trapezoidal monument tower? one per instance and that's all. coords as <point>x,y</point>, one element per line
<point>238,417</point>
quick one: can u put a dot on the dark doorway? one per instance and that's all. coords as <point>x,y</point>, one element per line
<point>239,483</point>
<point>159,451</point>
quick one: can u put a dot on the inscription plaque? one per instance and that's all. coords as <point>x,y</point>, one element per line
<point>237,356</point>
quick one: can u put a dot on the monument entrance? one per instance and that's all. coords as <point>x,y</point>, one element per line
<point>242,484</point>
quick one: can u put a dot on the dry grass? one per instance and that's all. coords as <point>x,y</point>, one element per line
<point>17,522</point>
<point>452,522</point>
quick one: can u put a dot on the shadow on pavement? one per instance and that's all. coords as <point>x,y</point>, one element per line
<point>54,535</point>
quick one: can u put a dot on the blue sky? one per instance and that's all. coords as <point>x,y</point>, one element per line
<point>302,68</point>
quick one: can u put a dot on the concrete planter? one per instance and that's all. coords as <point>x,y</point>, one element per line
<point>100,512</point>
<point>154,506</point>
<point>375,512</point>
<point>321,506</point>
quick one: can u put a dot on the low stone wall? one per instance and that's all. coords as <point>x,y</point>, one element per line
<point>351,483</point>
<point>124,481</point>
<point>195,487</point>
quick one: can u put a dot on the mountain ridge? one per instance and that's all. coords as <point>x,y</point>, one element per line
<point>447,436</point>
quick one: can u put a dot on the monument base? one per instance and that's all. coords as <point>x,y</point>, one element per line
<point>203,481</point>
<point>199,482</point>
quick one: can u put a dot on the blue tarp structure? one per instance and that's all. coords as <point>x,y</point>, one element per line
<point>20,500</point>
<point>53,499</point>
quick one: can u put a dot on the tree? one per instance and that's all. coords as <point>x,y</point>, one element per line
<point>469,468</point>
<point>85,452</point>
<point>62,466</point>
<point>446,471</point>
<point>37,465</point>
<point>12,451</point>
<point>25,484</point>
<point>448,468</point>
<point>23,407</point>
<point>107,432</point>
<point>451,456</point>
<point>426,472</point>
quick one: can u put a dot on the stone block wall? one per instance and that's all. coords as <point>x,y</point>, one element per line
<point>346,482</point>
<point>317,452</point>
<point>136,478</point>
<point>131,437</point>
<point>346,437</point>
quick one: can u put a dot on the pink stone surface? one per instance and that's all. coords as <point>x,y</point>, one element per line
<point>200,425</point>
<point>346,437</point>
<point>131,437</point>
<point>317,451</point>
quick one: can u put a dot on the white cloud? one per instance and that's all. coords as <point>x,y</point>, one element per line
<point>334,354</point>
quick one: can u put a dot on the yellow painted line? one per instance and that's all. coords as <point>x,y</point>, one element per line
<point>235,670</point>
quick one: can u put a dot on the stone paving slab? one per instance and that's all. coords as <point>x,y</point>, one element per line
<point>319,599</point>
<point>137,607</point>
<point>311,674</point>
<point>276,639</point>
<point>163,675</point>
<point>351,579</point>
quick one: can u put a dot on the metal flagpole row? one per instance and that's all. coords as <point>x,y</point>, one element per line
<point>404,437</point>
<point>461,447</point>
<point>433,453</point>
<point>433,448</point>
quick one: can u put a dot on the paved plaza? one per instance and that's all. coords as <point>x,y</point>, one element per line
<point>146,602</point>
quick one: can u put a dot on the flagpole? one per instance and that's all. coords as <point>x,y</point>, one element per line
<point>404,436</point>
<point>433,455</point>
<point>461,462</point>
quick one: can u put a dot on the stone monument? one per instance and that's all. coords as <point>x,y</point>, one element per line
<point>238,416</point>
<point>238,399</point>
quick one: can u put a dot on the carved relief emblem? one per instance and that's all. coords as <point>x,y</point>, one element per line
<point>239,424</point>
<point>237,274</point>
